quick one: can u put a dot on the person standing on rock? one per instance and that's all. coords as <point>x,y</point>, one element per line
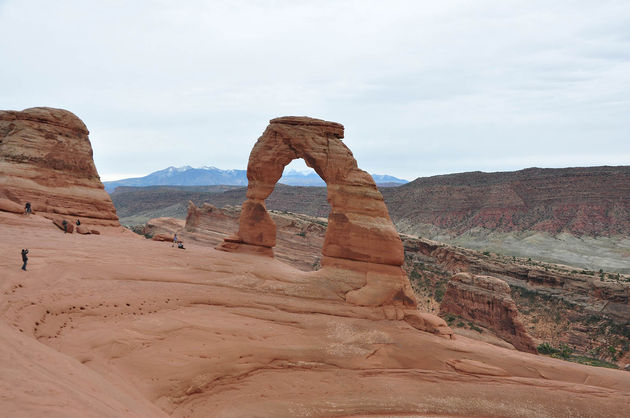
<point>65,226</point>
<point>27,208</point>
<point>174,240</point>
<point>78,222</point>
<point>24,258</point>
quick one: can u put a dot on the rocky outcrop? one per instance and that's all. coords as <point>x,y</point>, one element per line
<point>299,238</point>
<point>486,301</point>
<point>360,236</point>
<point>46,159</point>
<point>561,305</point>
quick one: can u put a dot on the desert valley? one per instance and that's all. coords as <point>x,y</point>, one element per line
<point>324,306</point>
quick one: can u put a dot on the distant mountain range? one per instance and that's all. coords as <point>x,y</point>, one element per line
<point>212,176</point>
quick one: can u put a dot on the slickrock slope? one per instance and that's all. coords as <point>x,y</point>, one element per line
<point>201,332</point>
<point>46,159</point>
<point>589,321</point>
<point>487,301</point>
<point>590,201</point>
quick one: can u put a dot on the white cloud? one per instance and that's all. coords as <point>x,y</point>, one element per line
<point>423,88</point>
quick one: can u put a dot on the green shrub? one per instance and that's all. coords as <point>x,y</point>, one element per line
<point>439,294</point>
<point>546,348</point>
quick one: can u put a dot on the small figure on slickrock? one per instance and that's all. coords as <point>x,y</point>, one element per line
<point>24,258</point>
<point>27,208</point>
<point>361,241</point>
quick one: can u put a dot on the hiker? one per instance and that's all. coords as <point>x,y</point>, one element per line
<point>24,258</point>
<point>174,240</point>
<point>181,246</point>
<point>65,226</point>
<point>27,208</point>
<point>78,222</point>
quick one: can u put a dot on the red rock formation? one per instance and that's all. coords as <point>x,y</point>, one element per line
<point>583,201</point>
<point>360,236</point>
<point>487,301</point>
<point>46,159</point>
<point>122,326</point>
<point>299,238</point>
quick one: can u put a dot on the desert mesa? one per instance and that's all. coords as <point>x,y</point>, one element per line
<point>107,323</point>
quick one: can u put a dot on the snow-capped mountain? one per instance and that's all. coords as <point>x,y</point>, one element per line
<point>209,176</point>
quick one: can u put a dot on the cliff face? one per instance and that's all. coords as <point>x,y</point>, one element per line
<point>584,310</point>
<point>582,201</point>
<point>46,159</point>
<point>487,301</point>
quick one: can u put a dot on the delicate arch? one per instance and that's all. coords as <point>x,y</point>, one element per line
<point>359,227</point>
<point>361,241</point>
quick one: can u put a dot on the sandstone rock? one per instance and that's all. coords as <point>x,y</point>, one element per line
<point>579,200</point>
<point>299,238</point>
<point>164,225</point>
<point>7,205</point>
<point>69,228</point>
<point>124,327</point>
<point>429,323</point>
<point>95,232</point>
<point>83,230</point>
<point>359,228</point>
<point>486,300</point>
<point>163,237</point>
<point>46,159</point>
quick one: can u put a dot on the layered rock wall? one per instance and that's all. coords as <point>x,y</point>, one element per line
<point>487,301</point>
<point>590,201</point>
<point>46,159</point>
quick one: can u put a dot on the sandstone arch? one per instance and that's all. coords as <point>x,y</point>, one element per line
<point>360,237</point>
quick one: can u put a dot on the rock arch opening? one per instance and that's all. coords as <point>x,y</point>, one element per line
<point>360,236</point>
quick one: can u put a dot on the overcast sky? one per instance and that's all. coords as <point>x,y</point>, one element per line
<point>423,88</point>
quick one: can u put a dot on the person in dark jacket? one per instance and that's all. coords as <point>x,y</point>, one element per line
<point>78,222</point>
<point>27,208</point>
<point>65,226</point>
<point>24,258</point>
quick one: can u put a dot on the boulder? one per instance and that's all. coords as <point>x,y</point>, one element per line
<point>83,230</point>
<point>164,237</point>
<point>59,224</point>
<point>7,205</point>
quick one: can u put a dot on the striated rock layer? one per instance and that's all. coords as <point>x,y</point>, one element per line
<point>590,201</point>
<point>487,301</point>
<point>360,236</point>
<point>46,159</point>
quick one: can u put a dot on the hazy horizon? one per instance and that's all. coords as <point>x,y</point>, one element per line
<point>422,89</point>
